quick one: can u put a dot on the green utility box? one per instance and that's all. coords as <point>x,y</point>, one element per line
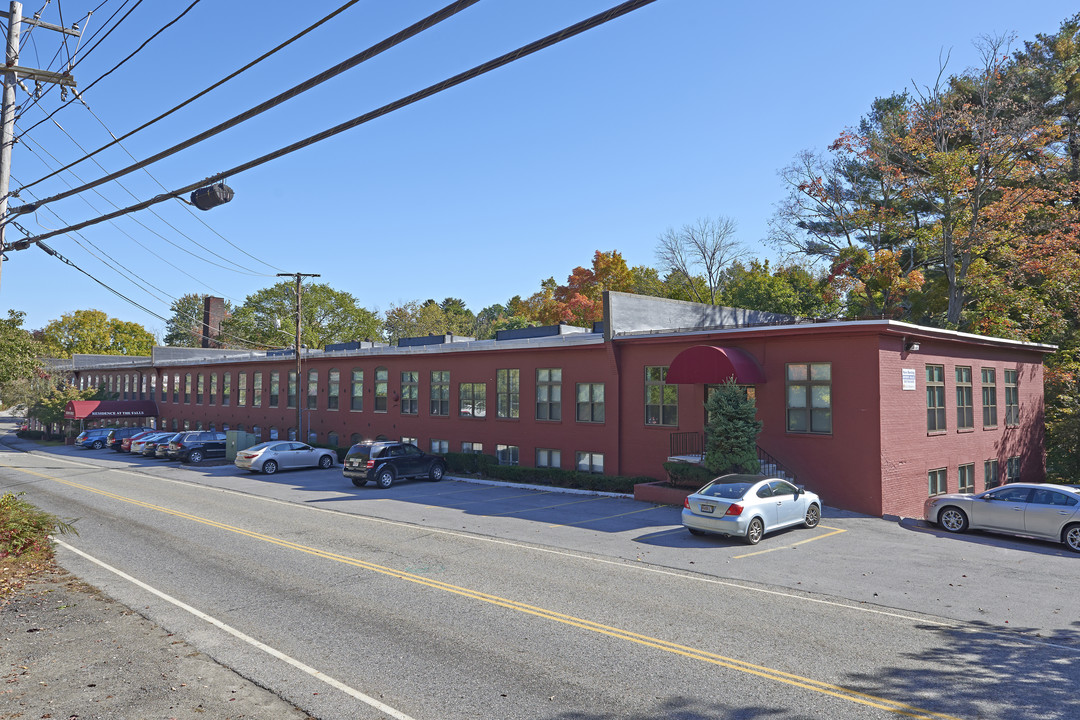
<point>237,440</point>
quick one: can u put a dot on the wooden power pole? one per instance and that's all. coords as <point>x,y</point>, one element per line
<point>13,73</point>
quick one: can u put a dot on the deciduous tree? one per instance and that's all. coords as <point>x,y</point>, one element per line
<point>92,332</point>
<point>700,251</point>
<point>267,318</point>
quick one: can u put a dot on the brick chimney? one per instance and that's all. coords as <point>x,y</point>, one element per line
<point>213,314</point>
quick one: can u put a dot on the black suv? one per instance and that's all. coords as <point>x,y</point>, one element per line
<point>384,461</point>
<point>115,438</point>
<point>197,446</point>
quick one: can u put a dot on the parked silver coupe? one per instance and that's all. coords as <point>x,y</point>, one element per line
<point>748,506</point>
<point>269,457</point>
<point>1039,510</point>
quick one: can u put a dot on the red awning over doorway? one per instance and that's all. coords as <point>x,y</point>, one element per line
<point>92,409</point>
<point>707,364</point>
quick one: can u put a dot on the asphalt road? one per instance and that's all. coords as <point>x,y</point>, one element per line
<point>457,600</point>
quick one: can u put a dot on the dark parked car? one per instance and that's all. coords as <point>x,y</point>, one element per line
<point>384,462</point>
<point>94,438</point>
<point>150,447</point>
<point>114,440</point>
<point>197,446</point>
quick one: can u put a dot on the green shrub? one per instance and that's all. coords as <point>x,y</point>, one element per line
<point>30,434</point>
<point>24,527</point>
<point>686,475</point>
<point>573,479</point>
<point>470,462</point>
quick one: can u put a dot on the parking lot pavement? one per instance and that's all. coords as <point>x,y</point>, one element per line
<point>896,565</point>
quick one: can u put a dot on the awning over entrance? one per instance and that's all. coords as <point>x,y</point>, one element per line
<point>91,409</point>
<point>707,364</point>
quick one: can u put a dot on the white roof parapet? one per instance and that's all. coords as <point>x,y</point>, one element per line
<point>626,313</point>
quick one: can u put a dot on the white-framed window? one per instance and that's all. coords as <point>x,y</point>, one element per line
<point>590,462</point>
<point>809,398</point>
<point>966,478</point>
<point>546,457</point>
<point>938,481</point>
<point>661,399</point>
<point>549,394</point>
<point>507,454</point>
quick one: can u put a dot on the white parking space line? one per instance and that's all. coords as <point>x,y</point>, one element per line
<point>336,684</point>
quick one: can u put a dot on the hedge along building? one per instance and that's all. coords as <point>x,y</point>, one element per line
<point>875,415</point>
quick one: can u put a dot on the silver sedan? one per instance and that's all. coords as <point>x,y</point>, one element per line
<point>748,506</point>
<point>269,457</point>
<point>1039,510</point>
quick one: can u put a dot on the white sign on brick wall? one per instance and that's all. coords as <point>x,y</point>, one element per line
<point>907,375</point>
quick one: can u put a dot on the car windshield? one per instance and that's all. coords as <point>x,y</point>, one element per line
<point>727,491</point>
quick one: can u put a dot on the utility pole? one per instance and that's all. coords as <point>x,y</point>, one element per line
<point>299,368</point>
<point>12,72</point>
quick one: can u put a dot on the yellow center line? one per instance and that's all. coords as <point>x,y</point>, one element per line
<point>835,531</point>
<point>767,673</point>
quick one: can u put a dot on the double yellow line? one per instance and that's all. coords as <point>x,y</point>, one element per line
<point>805,683</point>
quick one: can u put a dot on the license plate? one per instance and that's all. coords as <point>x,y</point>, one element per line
<point>707,508</point>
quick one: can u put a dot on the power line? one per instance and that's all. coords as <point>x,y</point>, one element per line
<point>230,264</point>
<point>117,65</point>
<point>186,206</point>
<point>507,58</point>
<point>377,49</point>
<point>198,95</point>
<point>40,97</point>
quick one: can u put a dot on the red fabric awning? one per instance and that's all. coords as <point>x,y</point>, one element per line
<point>90,409</point>
<point>707,364</point>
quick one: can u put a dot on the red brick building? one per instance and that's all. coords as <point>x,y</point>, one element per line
<point>874,415</point>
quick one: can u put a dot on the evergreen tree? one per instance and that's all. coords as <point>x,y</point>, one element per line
<point>731,431</point>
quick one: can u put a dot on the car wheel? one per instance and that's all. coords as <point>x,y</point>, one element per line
<point>953,519</point>
<point>359,482</point>
<point>695,531</point>
<point>755,531</point>
<point>195,456</point>
<point>1071,536</point>
<point>813,516</point>
<point>269,467</point>
<point>326,462</point>
<point>97,445</point>
<point>385,478</point>
<point>435,474</point>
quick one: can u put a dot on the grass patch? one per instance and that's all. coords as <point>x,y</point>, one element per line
<point>25,548</point>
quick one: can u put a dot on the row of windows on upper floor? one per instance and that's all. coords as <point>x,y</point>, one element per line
<point>808,393</point>
<point>965,398</point>
<point>661,400</point>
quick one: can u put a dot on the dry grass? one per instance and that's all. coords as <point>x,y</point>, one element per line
<point>26,552</point>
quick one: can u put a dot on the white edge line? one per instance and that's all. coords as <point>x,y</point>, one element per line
<point>338,685</point>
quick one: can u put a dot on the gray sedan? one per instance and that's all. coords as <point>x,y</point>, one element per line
<point>1039,510</point>
<point>748,506</point>
<point>269,457</point>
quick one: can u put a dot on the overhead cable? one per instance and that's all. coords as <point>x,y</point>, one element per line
<point>185,205</point>
<point>38,98</point>
<point>198,95</point>
<point>396,39</point>
<point>525,50</point>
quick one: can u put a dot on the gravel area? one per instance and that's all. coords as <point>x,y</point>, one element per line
<point>69,652</point>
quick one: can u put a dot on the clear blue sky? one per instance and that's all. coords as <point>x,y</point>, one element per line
<point>681,110</point>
